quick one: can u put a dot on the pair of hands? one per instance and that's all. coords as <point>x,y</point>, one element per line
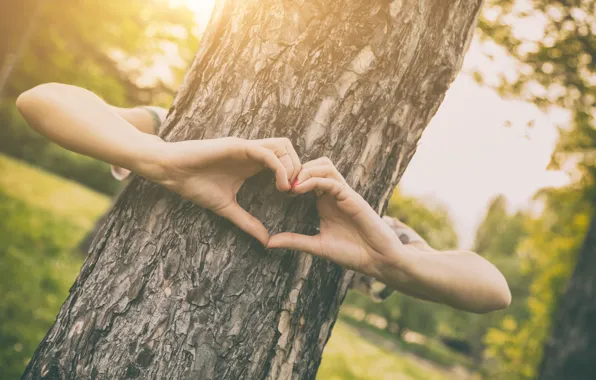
<point>211,172</point>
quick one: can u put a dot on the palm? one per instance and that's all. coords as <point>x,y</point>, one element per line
<point>339,237</point>
<point>210,173</point>
<point>350,232</point>
<point>214,185</point>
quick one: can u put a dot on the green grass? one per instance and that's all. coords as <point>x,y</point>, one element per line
<point>432,350</point>
<point>347,356</point>
<point>45,191</point>
<point>42,219</point>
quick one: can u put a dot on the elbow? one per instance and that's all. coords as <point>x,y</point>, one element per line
<point>502,292</point>
<point>25,102</point>
<point>503,300</point>
<point>500,298</point>
<point>31,99</point>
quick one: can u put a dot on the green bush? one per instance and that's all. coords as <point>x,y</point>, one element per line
<point>18,140</point>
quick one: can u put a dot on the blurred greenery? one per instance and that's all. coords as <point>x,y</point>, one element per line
<point>41,220</point>
<point>348,356</point>
<point>498,238</point>
<point>555,70</point>
<point>105,46</point>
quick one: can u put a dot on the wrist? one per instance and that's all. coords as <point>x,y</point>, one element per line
<point>147,160</point>
<point>397,268</point>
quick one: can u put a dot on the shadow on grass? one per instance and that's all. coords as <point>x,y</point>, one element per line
<point>433,351</point>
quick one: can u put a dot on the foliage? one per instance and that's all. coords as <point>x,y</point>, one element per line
<point>499,233</point>
<point>432,222</point>
<point>497,239</point>
<point>41,220</point>
<point>556,69</point>
<point>548,255</point>
<point>105,46</point>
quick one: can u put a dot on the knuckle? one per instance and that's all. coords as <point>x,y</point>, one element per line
<point>326,160</point>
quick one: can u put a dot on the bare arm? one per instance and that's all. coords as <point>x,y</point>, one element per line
<point>354,236</point>
<point>80,121</point>
<point>462,279</point>
<point>140,117</point>
<point>146,119</point>
<point>207,172</point>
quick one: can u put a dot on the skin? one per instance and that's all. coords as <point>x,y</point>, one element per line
<point>354,236</point>
<point>210,173</point>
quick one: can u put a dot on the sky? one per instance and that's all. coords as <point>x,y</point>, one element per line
<point>477,146</point>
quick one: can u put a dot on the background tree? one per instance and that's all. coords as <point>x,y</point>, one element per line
<point>18,20</point>
<point>498,238</point>
<point>555,70</point>
<point>104,46</point>
<point>570,350</point>
<point>189,296</point>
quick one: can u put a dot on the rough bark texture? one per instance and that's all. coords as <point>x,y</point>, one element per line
<point>570,353</point>
<point>170,291</point>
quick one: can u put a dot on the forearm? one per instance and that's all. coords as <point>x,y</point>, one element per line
<point>461,279</point>
<point>80,121</point>
<point>138,117</point>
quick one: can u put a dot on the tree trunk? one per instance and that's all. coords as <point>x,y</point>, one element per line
<point>170,291</point>
<point>570,353</point>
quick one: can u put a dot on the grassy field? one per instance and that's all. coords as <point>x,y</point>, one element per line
<point>43,217</point>
<point>348,356</point>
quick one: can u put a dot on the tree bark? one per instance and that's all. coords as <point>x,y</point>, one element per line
<point>570,353</point>
<point>170,291</point>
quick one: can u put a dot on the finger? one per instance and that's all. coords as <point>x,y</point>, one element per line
<point>295,160</point>
<point>322,171</point>
<point>289,240</point>
<point>282,148</point>
<point>286,161</point>
<point>318,162</point>
<point>330,186</point>
<point>245,221</point>
<point>270,160</point>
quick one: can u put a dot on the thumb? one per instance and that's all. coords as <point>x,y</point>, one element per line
<point>298,242</point>
<point>245,221</point>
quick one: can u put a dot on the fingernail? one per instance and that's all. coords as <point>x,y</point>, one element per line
<point>295,183</point>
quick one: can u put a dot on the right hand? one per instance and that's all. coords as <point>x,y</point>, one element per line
<point>351,234</point>
<point>210,173</point>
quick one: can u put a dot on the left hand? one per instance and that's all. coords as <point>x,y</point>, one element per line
<point>351,234</point>
<point>211,172</point>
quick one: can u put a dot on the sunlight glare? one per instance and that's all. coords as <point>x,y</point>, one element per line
<point>201,8</point>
